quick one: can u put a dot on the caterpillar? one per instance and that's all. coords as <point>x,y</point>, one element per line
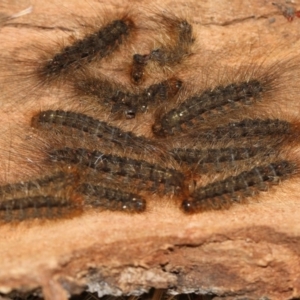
<point>118,99</point>
<point>36,207</point>
<point>215,160</point>
<point>234,189</point>
<point>180,35</point>
<point>121,166</point>
<point>102,197</point>
<point>93,127</point>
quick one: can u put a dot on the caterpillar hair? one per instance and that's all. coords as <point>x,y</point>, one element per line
<point>48,197</point>
<point>51,119</point>
<point>5,18</point>
<point>53,60</point>
<point>216,159</point>
<point>254,87</point>
<point>121,102</point>
<point>236,189</point>
<point>176,45</point>
<point>105,198</point>
<point>130,169</point>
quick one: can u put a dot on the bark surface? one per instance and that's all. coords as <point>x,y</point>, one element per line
<point>250,251</point>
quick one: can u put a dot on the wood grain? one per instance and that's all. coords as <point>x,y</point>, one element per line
<point>249,251</point>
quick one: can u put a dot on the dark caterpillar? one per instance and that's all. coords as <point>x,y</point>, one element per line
<point>234,189</point>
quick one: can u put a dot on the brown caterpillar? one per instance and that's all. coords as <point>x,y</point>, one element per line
<point>194,107</point>
<point>97,44</point>
<point>105,198</point>
<point>234,189</point>
<point>47,119</point>
<point>48,197</point>
<point>215,160</point>
<point>176,46</point>
<point>248,129</point>
<point>33,187</point>
<point>125,167</point>
<point>119,100</point>
<point>37,207</point>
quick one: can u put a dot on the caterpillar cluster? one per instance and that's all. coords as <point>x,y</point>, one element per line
<point>206,147</point>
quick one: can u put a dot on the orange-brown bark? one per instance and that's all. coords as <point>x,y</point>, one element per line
<point>248,251</point>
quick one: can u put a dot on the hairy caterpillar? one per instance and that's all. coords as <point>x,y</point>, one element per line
<point>122,166</point>
<point>81,122</point>
<point>119,100</point>
<point>180,35</point>
<point>103,197</point>
<point>234,189</point>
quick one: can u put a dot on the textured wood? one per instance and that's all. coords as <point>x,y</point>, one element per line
<point>249,251</point>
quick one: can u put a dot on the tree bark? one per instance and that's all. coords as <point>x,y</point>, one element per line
<point>249,251</point>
